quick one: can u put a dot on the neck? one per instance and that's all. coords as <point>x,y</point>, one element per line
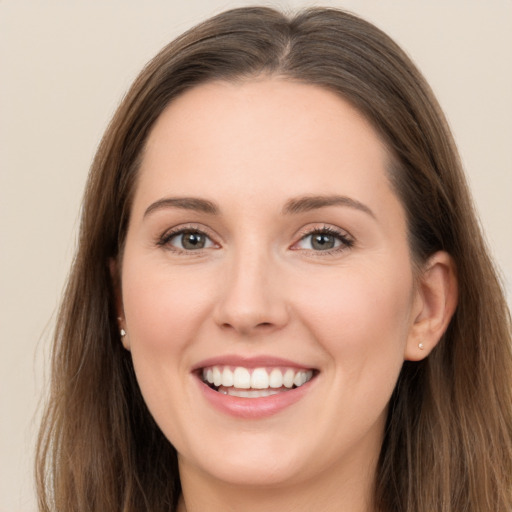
<point>331,491</point>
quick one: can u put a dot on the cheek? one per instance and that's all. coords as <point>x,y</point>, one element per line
<point>163,312</point>
<point>360,315</point>
<point>163,309</point>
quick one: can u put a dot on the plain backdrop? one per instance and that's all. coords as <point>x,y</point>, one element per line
<point>65,65</point>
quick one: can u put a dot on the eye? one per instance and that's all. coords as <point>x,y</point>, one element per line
<point>325,239</point>
<point>187,240</point>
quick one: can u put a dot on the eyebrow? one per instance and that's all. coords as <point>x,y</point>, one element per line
<point>184,203</point>
<point>293,206</point>
<point>308,203</point>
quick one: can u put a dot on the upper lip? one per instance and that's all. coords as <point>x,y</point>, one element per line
<point>250,362</point>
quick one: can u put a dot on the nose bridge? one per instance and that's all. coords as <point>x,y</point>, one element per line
<point>252,298</point>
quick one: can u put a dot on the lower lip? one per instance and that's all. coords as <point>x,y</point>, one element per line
<point>253,408</point>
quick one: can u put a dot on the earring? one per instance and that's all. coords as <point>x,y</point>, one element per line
<point>421,346</point>
<point>122,332</point>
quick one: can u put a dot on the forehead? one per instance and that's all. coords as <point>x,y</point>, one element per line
<point>271,137</point>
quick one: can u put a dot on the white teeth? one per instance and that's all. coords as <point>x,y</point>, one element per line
<point>217,376</point>
<point>251,393</point>
<point>300,378</point>
<point>227,377</point>
<point>276,378</point>
<point>242,378</point>
<point>259,381</point>
<point>288,378</point>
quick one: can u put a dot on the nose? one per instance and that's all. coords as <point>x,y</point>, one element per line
<point>253,299</point>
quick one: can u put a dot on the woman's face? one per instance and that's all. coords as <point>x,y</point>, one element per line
<point>266,248</point>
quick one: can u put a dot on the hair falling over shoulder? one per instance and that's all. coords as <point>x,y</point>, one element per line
<point>448,440</point>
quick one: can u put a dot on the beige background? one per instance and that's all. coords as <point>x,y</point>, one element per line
<point>63,68</point>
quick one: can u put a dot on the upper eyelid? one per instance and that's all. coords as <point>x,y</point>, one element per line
<point>187,227</point>
<point>183,228</point>
<point>322,227</point>
<point>346,239</point>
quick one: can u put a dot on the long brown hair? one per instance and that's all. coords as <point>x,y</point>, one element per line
<point>448,440</point>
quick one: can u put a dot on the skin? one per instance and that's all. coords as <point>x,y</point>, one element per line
<point>260,287</point>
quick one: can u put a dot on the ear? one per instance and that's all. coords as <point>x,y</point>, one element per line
<point>435,303</point>
<point>116,286</point>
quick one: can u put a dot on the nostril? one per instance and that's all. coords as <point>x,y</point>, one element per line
<point>227,325</point>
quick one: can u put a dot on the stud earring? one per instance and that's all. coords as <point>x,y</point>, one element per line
<point>421,346</point>
<point>122,332</point>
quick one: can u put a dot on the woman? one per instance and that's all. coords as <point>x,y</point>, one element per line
<point>281,298</point>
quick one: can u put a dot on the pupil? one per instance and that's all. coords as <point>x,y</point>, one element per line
<point>323,242</point>
<point>193,241</point>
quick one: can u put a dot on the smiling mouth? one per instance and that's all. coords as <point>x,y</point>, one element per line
<point>254,382</point>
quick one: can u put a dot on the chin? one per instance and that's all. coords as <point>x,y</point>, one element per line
<point>255,463</point>
<point>253,473</point>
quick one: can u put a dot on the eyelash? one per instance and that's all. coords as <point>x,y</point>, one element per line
<point>346,241</point>
<point>165,239</point>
